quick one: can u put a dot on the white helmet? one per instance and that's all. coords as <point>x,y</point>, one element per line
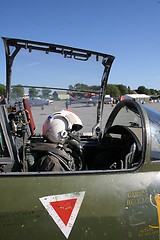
<point>56,125</point>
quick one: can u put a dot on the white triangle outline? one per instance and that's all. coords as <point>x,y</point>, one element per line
<point>66,229</point>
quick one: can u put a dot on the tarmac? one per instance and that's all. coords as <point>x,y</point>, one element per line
<point>87,113</point>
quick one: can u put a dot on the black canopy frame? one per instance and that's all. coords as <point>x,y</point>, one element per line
<point>13,47</point>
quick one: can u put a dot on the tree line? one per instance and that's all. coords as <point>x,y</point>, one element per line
<point>18,91</point>
<point>114,90</point>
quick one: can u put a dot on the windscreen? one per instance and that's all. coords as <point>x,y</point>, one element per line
<point>130,118</point>
<point>45,70</point>
<point>154,118</point>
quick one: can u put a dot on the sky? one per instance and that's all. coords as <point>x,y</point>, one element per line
<point>129,30</point>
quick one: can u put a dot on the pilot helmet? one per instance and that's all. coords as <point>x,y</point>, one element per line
<point>57,125</point>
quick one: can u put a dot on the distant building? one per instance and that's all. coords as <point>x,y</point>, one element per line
<point>138,97</point>
<point>26,95</point>
<point>155,98</point>
<point>55,96</point>
<point>62,95</point>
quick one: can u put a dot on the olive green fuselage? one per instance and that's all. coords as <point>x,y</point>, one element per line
<point>115,206</point>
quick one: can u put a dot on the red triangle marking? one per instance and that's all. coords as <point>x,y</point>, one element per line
<point>64,208</point>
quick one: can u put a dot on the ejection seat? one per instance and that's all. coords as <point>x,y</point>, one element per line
<point>29,116</point>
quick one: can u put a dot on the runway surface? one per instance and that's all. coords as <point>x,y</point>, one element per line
<point>86,113</point>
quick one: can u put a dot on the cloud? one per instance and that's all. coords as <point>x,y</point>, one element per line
<point>32,64</point>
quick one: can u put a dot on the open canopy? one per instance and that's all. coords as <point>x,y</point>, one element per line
<point>14,47</point>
